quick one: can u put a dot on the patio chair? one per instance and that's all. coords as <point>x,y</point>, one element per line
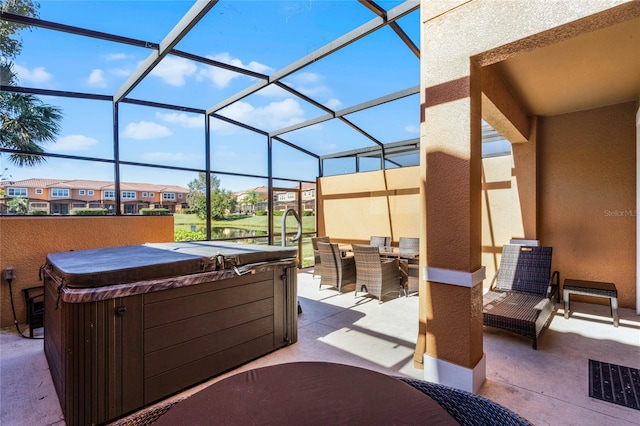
<point>465,407</point>
<point>316,254</point>
<point>34,299</point>
<point>522,292</point>
<point>336,270</point>
<point>413,268</point>
<point>380,241</point>
<point>375,275</point>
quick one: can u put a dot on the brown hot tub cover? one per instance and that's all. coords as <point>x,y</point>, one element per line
<point>120,265</point>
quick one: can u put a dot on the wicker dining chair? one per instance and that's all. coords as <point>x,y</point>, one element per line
<point>336,270</point>
<point>317,268</point>
<point>375,275</point>
<point>411,244</point>
<point>467,408</point>
<point>380,241</point>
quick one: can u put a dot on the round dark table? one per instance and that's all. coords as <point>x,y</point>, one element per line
<point>307,393</point>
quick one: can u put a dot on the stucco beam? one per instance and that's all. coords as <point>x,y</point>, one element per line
<point>501,109</point>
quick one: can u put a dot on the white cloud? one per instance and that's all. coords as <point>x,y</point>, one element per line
<point>119,72</point>
<point>182,119</point>
<point>116,56</point>
<point>96,78</point>
<point>333,103</point>
<point>306,78</point>
<point>178,157</point>
<point>222,78</point>
<point>412,129</point>
<point>310,84</point>
<point>146,130</point>
<point>275,115</point>
<point>223,128</point>
<point>273,91</point>
<point>173,70</point>
<point>73,143</point>
<point>36,75</point>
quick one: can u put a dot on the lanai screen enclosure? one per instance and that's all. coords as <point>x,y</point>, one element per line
<point>269,94</point>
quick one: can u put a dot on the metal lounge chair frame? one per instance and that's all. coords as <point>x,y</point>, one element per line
<point>523,292</point>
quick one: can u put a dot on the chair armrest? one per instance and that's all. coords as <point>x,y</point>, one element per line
<point>348,260</point>
<point>553,290</point>
<point>390,266</point>
<point>493,280</point>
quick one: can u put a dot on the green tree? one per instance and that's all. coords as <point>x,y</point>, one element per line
<point>10,42</point>
<point>251,198</point>
<point>27,122</point>
<point>221,200</point>
<point>18,205</point>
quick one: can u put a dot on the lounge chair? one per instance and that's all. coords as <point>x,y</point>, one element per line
<point>523,292</point>
<point>336,269</point>
<point>375,275</point>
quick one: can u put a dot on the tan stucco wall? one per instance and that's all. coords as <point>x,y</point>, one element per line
<point>26,241</point>
<point>458,38</point>
<point>587,172</point>
<point>501,211</point>
<point>354,207</point>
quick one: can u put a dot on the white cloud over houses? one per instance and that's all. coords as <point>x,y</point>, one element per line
<point>275,115</point>
<point>182,119</point>
<point>96,78</point>
<point>145,130</point>
<point>73,143</point>
<point>35,75</point>
<point>221,78</point>
<point>173,70</point>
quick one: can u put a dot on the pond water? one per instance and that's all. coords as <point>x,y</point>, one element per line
<point>225,232</point>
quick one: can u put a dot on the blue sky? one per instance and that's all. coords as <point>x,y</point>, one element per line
<point>262,36</point>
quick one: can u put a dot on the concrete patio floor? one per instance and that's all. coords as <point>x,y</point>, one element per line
<point>547,386</point>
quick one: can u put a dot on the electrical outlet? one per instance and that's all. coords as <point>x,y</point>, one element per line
<point>9,273</point>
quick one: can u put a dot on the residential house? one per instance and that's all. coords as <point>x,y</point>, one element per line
<point>55,196</point>
<point>282,199</point>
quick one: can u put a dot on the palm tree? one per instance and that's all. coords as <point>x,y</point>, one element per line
<point>251,198</point>
<point>27,122</point>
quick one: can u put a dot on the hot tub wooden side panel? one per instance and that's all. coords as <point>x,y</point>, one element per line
<point>106,357</point>
<point>94,379</point>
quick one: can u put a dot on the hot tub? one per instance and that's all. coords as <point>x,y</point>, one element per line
<point>128,326</point>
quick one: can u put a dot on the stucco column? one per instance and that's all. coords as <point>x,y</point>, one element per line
<point>450,342</point>
<point>452,297</point>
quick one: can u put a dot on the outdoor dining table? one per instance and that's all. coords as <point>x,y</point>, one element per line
<point>399,253</point>
<point>385,251</point>
<point>307,393</point>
